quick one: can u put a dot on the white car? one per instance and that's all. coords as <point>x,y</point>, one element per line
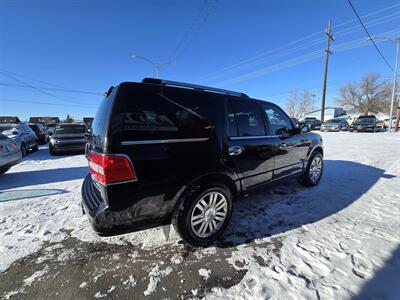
<point>10,154</point>
<point>24,136</point>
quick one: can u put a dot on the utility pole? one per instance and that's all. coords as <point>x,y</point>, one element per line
<point>394,90</point>
<point>328,51</point>
<point>313,101</point>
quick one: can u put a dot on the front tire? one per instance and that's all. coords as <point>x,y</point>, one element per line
<point>203,214</point>
<point>314,170</point>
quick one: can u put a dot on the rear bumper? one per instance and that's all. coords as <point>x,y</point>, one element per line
<point>107,222</point>
<point>68,147</point>
<point>10,160</point>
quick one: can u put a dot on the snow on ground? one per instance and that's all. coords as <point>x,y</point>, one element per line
<point>336,240</point>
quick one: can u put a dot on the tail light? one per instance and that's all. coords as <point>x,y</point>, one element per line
<point>107,169</point>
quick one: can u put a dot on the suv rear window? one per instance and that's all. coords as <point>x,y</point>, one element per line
<point>70,129</point>
<point>173,114</point>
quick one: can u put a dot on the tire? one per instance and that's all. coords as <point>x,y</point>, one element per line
<point>187,219</point>
<point>24,151</point>
<point>2,171</point>
<point>308,178</point>
<point>35,147</point>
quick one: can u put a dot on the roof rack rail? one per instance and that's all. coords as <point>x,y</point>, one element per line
<point>193,86</point>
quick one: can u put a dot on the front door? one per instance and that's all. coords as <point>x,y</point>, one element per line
<point>249,151</point>
<point>291,145</point>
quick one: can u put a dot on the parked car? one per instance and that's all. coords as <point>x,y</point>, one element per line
<point>335,125</point>
<point>68,138</point>
<point>10,154</point>
<point>166,152</point>
<point>312,123</point>
<point>50,127</point>
<point>40,132</point>
<point>386,122</point>
<point>24,136</point>
<point>365,124</point>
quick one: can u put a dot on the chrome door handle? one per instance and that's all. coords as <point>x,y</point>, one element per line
<point>235,150</point>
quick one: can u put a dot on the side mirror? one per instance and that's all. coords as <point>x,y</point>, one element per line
<point>304,127</point>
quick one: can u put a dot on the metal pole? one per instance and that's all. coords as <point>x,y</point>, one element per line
<point>394,85</point>
<point>158,71</point>
<point>328,51</point>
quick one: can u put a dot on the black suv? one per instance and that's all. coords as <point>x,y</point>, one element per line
<point>166,152</point>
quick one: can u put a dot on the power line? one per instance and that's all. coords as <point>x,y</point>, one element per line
<point>369,36</point>
<point>37,89</point>
<point>42,103</point>
<point>301,59</point>
<point>52,89</point>
<point>251,60</point>
<point>201,23</point>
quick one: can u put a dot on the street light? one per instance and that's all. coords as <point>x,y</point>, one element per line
<point>397,41</point>
<point>157,66</point>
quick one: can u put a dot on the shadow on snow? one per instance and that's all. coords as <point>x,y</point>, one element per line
<point>28,194</point>
<point>287,205</point>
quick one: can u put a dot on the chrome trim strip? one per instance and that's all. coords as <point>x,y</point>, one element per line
<point>170,141</point>
<point>234,138</point>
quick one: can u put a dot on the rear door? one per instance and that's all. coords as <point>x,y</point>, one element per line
<point>249,151</point>
<point>291,144</point>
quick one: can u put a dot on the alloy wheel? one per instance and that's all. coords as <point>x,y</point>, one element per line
<point>209,214</point>
<point>315,169</point>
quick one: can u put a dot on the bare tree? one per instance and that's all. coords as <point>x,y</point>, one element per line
<point>370,95</point>
<point>298,104</point>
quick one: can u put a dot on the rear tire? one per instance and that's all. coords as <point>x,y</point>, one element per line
<point>24,151</point>
<point>203,214</point>
<point>2,171</point>
<point>314,170</point>
<point>35,147</point>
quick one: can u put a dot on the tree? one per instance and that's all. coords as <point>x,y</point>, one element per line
<point>69,119</point>
<point>370,95</point>
<point>298,104</point>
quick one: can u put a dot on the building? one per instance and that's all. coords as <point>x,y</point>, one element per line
<point>330,113</point>
<point>88,121</point>
<point>44,120</point>
<point>9,119</point>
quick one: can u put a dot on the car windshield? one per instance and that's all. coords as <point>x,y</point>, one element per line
<point>35,128</point>
<point>365,121</point>
<point>5,127</point>
<point>333,121</point>
<point>70,129</point>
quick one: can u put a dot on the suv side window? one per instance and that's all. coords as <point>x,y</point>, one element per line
<point>279,122</point>
<point>244,119</point>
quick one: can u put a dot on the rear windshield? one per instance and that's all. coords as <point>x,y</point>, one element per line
<point>70,129</point>
<point>101,119</point>
<point>333,121</point>
<point>366,120</point>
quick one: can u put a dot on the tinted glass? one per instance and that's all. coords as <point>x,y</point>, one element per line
<point>366,121</point>
<point>101,119</point>
<point>278,120</point>
<point>5,127</point>
<point>175,113</point>
<point>70,129</point>
<point>35,128</point>
<point>333,121</point>
<point>248,118</point>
